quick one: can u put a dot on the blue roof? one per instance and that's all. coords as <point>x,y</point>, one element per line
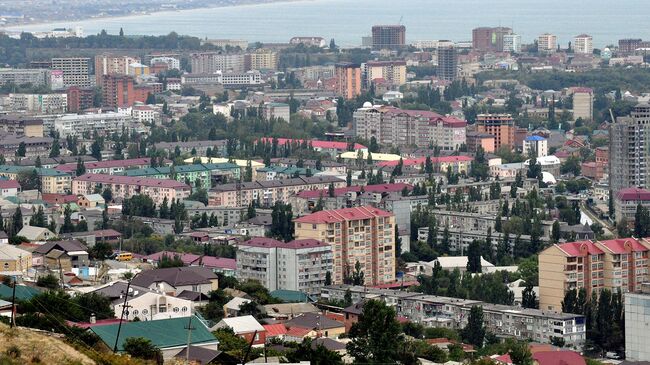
<point>535,138</point>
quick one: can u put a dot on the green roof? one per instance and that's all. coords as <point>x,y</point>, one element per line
<point>164,333</point>
<point>41,171</point>
<point>149,171</point>
<point>288,170</point>
<point>166,170</point>
<point>23,292</point>
<point>290,296</point>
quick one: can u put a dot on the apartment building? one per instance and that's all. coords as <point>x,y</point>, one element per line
<point>501,126</point>
<point>197,175</point>
<point>34,146</point>
<point>613,264</point>
<point>629,147</point>
<point>171,62</point>
<point>512,43</point>
<point>489,39</point>
<point>447,61</point>
<point>102,123</point>
<point>39,103</point>
<point>198,148</point>
<point>583,44</point>
<point>626,202</point>
<point>21,125</point>
<point>547,43</point>
<point>52,181</point>
<point>399,127</point>
<point>76,70</point>
<point>277,111</point>
<point>266,193</point>
<point>106,64</point>
<point>363,234</point>
<point>117,91</point>
<point>20,76</point>
<point>261,59</point>
<point>109,167</point>
<point>392,72</point>
<point>504,321</point>
<point>124,187</point>
<point>388,37</point>
<point>211,62</point>
<point>80,98</point>
<point>537,145</point>
<point>348,80</point>
<point>227,79</point>
<point>637,317</point>
<point>299,265</point>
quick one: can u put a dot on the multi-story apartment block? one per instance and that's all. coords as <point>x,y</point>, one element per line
<point>108,167</point>
<point>171,62</point>
<point>277,111</point>
<point>52,181</point>
<point>626,202</point>
<point>20,76</point>
<point>364,234</point>
<point>537,145</point>
<point>76,70</point>
<point>249,78</point>
<point>348,80</point>
<point>637,317</point>
<point>266,193</point>
<point>488,39</point>
<point>583,44</point>
<point>618,264</point>
<point>197,175</point>
<point>629,148</point>
<point>583,103</point>
<point>198,148</point>
<point>400,127</point>
<point>145,114</point>
<point>299,265</point>
<point>34,146</point>
<point>388,36</point>
<point>21,125</point>
<point>505,321</point>
<point>80,98</point>
<point>102,123</point>
<point>501,126</point>
<point>547,43</point>
<point>39,103</point>
<point>119,91</point>
<point>629,45</point>
<point>392,72</point>
<point>261,59</point>
<point>512,43</point>
<point>124,187</point>
<point>211,62</point>
<point>447,61</point>
<point>106,64</point>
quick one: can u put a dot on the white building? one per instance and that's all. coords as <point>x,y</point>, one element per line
<point>512,43</point>
<point>537,144</point>
<point>145,114</point>
<point>226,79</point>
<point>76,70</point>
<point>277,111</point>
<point>637,325</point>
<point>103,123</point>
<point>211,62</point>
<point>299,265</point>
<point>19,76</point>
<point>583,43</point>
<point>39,103</point>
<point>171,62</point>
<point>547,43</point>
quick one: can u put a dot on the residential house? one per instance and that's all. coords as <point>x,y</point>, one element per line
<point>63,255</point>
<point>175,280</point>
<point>36,234</point>
<point>246,327</point>
<point>319,323</point>
<point>231,309</point>
<point>91,201</point>
<point>9,188</point>
<point>14,259</point>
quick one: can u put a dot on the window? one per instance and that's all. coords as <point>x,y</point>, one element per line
<point>184,309</point>
<point>145,312</point>
<point>175,310</point>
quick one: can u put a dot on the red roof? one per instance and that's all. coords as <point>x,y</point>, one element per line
<point>193,259</point>
<point>342,146</point>
<point>381,188</point>
<point>503,359</point>
<point>623,245</point>
<point>298,331</point>
<point>413,113</point>
<point>633,194</point>
<point>295,244</point>
<point>580,248</point>
<point>9,184</point>
<point>558,358</point>
<point>273,330</point>
<point>397,284</point>
<point>130,180</point>
<point>422,160</point>
<point>70,167</point>
<point>341,215</point>
<point>98,323</point>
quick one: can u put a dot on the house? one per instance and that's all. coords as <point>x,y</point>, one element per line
<point>231,309</point>
<point>9,188</point>
<point>323,325</point>
<point>63,255</point>
<point>91,201</point>
<point>145,304</point>
<point>110,236</point>
<point>23,292</point>
<point>558,358</point>
<point>201,355</point>
<point>289,310</point>
<point>169,335</point>
<point>450,263</point>
<point>36,234</point>
<point>14,259</point>
<point>276,330</point>
<point>246,327</point>
<point>352,314</point>
<point>174,280</point>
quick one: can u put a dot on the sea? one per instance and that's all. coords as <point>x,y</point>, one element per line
<point>347,21</point>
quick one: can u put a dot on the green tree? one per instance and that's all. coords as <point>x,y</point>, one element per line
<point>328,278</point>
<point>17,221</point>
<point>81,168</point>
<point>142,348</point>
<point>22,150</point>
<point>56,148</point>
<point>96,150</point>
<point>641,222</point>
<point>316,355</point>
<point>529,298</point>
<point>38,219</point>
<point>67,226</point>
<point>555,231</point>
<point>520,353</point>
<point>474,331</point>
<point>474,257</point>
<point>48,281</point>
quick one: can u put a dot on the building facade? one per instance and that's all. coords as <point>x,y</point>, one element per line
<point>348,80</point>
<point>447,61</point>
<point>211,62</point>
<point>39,103</point>
<point>501,126</point>
<point>629,150</point>
<point>392,72</point>
<point>124,187</point>
<point>20,76</point>
<point>76,70</point>
<point>547,43</point>
<point>583,44</point>
<point>489,39</point>
<point>583,103</point>
<point>102,123</point>
<point>626,202</point>
<point>106,64</point>
<point>637,317</point>
<point>388,36</point>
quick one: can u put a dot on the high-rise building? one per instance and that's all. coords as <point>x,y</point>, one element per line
<point>447,61</point>
<point>583,44</point>
<point>626,202</point>
<point>583,103</point>
<point>106,64</point>
<point>489,39</point>
<point>393,72</point>
<point>261,59</point>
<point>547,43</point>
<point>348,80</point>
<point>117,91</point>
<point>388,36</point>
<point>536,145</point>
<point>20,76</point>
<point>637,317</point>
<point>501,126</point>
<point>593,265</point>
<point>80,98</point>
<point>211,62</point>
<point>362,235</point>
<point>299,265</point>
<point>629,150</point>
<point>76,70</point>
<point>629,45</point>
<point>512,43</point>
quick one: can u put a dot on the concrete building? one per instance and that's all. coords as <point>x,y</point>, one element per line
<point>547,43</point>
<point>629,45</point>
<point>261,59</point>
<point>583,103</point>
<point>583,44</point>
<point>196,175</point>
<point>242,44</point>
<point>536,145</point>
<point>512,43</point>
<point>392,72</point>
<point>80,98</point>
<point>106,64</point>
<point>363,234</point>
<point>124,187</point>
<point>299,265</point>
<point>447,61</point>
<point>348,80</point>
<point>198,148</point>
<point>107,167</point>
<point>20,76</point>
<point>103,123</point>
<point>227,79</point>
<point>277,111</point>
<point>626,202</point>
<point>52,181</point>
<point>501,126</point>
<point>613,264</point>
<point>171,62</point>
<point>629,148</point>
<point>211,62</point>
<point>117,91</point>
<point>388,36</point>
<point>637,318</point>
<point>21,125</point>
<point>34,146</point>
<point>489,39</point>
<point>483,140</point>
<point>76,70</point>
<point>39,103</point>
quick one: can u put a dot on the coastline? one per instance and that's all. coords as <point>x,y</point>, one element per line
<point>21,27</point>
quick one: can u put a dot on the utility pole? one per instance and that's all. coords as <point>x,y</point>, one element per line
<point>13,305</point>
<point>124,309</point>
<point>189,329</point>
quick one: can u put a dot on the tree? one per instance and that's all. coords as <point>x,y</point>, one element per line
<point>142,348</point>
<point>316,355</point>
<point>474,257</point>
<point>56,148</point>
<point>81,168</point>
<point>38,219</point>
<point>555,231</point>
<point>348,178</point>
<point>17,221</point>
<point>376,337</point>
<point>330,190</point>
<point>67,226</point>
<point>357,275</point>
<point>22,150</point>
<point>529,298</point>
<point>520,354</point>
<point>101,250</point>
<point>474,331</point>
<point>38,164</point>
<point>94,304</point>
<point>29,180</point>
<point>107,195</point>
<point>96,150</point>
<point>641,221</point>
